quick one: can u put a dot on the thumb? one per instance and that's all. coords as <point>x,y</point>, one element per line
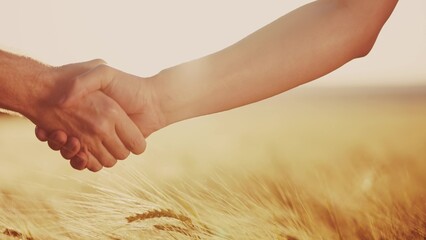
<point>94,63</point>
<point>97,78</point>
<point>74,69</point>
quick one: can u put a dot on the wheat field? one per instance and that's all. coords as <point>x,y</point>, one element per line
<point>309,164</point>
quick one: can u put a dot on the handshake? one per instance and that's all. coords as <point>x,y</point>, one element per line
<point>90,112</point>
<point>94,114</point>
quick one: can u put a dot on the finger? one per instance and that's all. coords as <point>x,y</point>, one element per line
<point>139,122</point>
<point>127,137</point>
<point>57,140</point>
<point>92,63</point>
<point>71,148</point>
<point>116,147</point>
<point>93,164</point>
<point>129,134</point>
<point>79,161</point>
<point>103,156</point>
<point>41,134</point>
<point>96,79</point>
<point>81,67</point>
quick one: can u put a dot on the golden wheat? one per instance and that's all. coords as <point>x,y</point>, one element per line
<point>188,230</point>
<point>173,228</point>
<point>161,213</point>
<point>328,171</point>
<point>15,234</point>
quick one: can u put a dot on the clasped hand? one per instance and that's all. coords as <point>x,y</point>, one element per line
<point>98,114</point>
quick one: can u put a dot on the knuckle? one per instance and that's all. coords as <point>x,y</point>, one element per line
<point>111,110</point>
<point>66,154</point>
<point>103,68</point>
<point>99,61</point>
<point>76,82</point>
<point>73,145</point>
<point>76,164</point>
<point>53,145</point>
<point>102,127</point>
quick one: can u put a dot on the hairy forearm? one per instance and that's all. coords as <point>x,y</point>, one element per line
<point>18,85</point>
<point>297,48</point>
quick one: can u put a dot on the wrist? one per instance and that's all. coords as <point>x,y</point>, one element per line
<point>182,91</point>
<point>188,90</point>
<point>164,95</point>
<point>40,88</point>
<point>151,103</point>
<point>22,80</point>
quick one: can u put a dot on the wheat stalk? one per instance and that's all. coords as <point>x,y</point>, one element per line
<point>173,228</point>
<point>15,234</point>
<point>168,213</point>
<point>162,213</point>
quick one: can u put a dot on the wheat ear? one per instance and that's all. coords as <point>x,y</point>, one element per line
<point>161,213</point>
<point>16,234</point>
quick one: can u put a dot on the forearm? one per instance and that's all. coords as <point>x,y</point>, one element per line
<point>297,48</point>
<point>19,89</point>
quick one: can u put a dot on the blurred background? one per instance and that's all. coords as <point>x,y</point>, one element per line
<point>143,37</point>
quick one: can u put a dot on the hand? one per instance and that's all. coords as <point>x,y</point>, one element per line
<point>134,94</point>
<point>100,131</point>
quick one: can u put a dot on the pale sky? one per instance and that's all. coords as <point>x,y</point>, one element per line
<point>142,37</point>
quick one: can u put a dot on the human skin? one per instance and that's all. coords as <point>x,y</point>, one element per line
<point>297,48</point>
<point>102,130</point>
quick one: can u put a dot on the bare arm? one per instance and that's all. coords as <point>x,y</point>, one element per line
<point>297,48</point>
<point>17,78</point>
